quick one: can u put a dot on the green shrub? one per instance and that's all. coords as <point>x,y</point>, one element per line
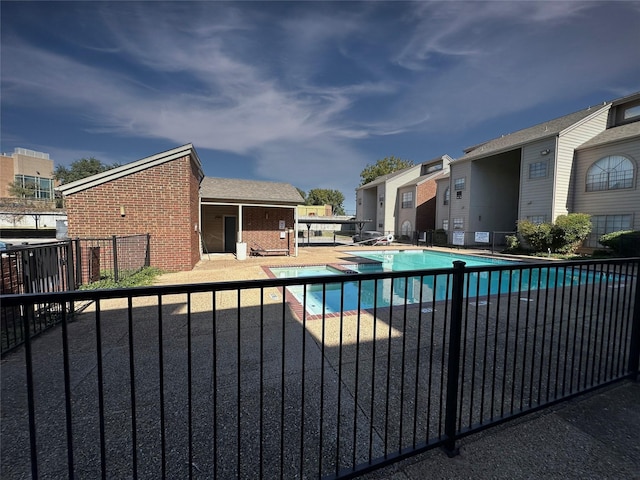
<point>624,242</point>
<point>569,231</point>
<point>538,236</point>
<point>143,277</point>
<point>513,244</point>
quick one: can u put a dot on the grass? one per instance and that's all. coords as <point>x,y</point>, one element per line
<point>141,278</point>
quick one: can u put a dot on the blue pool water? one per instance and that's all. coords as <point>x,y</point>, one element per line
<point>427,288</point>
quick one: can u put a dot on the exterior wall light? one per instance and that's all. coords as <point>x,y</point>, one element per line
<point>122,212</point>
<point>544,152</point>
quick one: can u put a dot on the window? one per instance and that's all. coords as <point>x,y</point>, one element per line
<point>538,170</point>
<point>631,112</point>
<point>447,196</point>
<point>445,225</point>
<point>458,223</point>
<point>35,187</point>
<point>432,168</point>
<point>602,224</point>
<point>610,173</point>
<point>458,195</point>
<point>458,184</point>
<point>537,219</point>
<point>405,229</point>
<point>407,200</point>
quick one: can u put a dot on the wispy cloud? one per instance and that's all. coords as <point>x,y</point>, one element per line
<point>299,87</point>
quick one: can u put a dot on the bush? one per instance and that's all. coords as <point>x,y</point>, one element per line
<point>569,232</point>
<point>565,236</point>
<point>143,277</point>
<point>538,236</point>
<point>624,242</point>
<point>513,244</point>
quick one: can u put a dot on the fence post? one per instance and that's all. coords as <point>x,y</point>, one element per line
<point>78,261</point>
<point>634,347</point>
<point>147,259</point>
<point>115,258</point>
<point>453,367</point>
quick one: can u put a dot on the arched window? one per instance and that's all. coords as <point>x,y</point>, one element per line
<point>610,173</point>
<point>447,196</point>
<point>405,229</point>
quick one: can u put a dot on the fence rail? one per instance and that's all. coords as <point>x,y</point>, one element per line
<point>59,267</point>
<point>241,380</point>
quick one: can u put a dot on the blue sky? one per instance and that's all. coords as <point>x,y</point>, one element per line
<point>303,92</point>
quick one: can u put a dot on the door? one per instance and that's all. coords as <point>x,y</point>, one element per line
<point>230,234</point>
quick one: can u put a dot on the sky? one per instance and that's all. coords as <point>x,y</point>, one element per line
<point>307,93</point>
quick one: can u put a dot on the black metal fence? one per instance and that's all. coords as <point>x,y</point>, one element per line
<point>33,269</point>
<point>114,257</point>
<point>60,267</point>
<point>308,377</point>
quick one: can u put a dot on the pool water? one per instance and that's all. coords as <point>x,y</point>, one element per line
<point>403,260</point>
<point>336,297</point>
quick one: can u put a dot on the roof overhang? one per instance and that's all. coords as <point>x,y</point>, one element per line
<point>133,167</point>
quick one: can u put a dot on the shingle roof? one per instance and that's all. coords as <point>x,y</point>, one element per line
<point>132,167</point>
<point>527,135</point>
<point>388,176</point>
<point>424,178</point>
<point>615,134</point>
<point>249,191</point>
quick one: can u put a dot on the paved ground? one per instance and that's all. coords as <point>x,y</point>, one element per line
<point>594,436</point>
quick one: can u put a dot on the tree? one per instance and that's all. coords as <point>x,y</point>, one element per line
<point>384,166</point>
<point>19,191</point>
<point>79,169</point>
<point>324,196</point>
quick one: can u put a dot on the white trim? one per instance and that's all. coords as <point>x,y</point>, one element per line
<point>128,169</point>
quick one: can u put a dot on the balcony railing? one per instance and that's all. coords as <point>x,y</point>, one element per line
<point>237,380</point>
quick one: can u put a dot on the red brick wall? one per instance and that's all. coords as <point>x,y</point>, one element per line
<point>426,206</point>
<point>260,226</point>
<point>162,200</point>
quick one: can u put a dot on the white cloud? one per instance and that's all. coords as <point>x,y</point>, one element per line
<point>302,92</point>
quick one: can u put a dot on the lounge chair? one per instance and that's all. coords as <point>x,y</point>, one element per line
<point>258,250</point>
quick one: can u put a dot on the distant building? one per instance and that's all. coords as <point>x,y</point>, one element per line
<point>402,202</point>
<point>584,162</point>
<point>315,210</point>
<point>29,169</point>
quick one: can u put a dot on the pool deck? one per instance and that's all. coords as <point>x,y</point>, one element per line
<point>596,435</point>
<point>593,436</point>
<point>225,267</point>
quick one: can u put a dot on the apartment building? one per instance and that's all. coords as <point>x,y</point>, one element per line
<point>402,202</point>
<point>584,162</point>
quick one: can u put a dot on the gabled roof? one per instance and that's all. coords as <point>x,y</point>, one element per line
<point>425,178</point>
<point>616,134</point>
<point>388,176</point>
<point>517,139</point>
<point>133,167</point>
<point>232,190</point>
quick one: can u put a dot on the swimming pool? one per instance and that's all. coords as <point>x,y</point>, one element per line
<point>424,288</point>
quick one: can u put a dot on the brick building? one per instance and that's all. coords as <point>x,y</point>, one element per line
<point>166,195</point>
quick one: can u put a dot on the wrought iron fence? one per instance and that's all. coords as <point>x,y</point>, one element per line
<point>114,257</point>
<point>308,377</point>
<point>59,267</point>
